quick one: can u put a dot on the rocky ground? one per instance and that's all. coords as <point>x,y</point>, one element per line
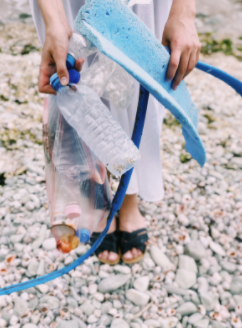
<point>191,275</point>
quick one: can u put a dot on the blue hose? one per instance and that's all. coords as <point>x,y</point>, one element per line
<point>124,182</point>
<point>223,76</point>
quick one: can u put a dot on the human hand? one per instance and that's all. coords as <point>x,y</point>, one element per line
<point>180,35</point>
<point>54,57</point>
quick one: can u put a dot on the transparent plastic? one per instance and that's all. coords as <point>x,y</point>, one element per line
<point>77,186</point>
<point>96,126</point>
<point>109,80</point>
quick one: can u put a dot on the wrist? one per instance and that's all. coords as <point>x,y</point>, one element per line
<point>183,8</point>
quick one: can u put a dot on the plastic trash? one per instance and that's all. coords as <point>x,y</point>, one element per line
<point>77,186</point>
<point>95,125</point>
<point>108,79</point>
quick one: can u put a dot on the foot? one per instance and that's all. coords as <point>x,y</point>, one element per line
<point>130,220</point>
<point>109,256</point>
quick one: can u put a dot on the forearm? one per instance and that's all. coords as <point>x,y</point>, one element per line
<point>183,8</point>
<point>53,14</point>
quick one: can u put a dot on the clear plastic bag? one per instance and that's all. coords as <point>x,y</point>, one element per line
<point>108,79</point>
<point>77,186</point>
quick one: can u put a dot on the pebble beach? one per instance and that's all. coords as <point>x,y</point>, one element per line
<point>191,275</point>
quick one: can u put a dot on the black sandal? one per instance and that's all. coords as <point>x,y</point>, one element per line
<point>109,243</point>
<point>128,240</point>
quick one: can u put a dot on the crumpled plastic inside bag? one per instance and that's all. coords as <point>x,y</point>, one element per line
<point>108,79</point>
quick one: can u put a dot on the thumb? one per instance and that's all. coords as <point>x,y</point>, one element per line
<point>61,69</point>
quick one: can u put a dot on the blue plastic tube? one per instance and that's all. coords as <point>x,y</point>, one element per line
<point>223,76</point>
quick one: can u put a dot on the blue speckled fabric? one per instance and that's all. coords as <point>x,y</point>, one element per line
<point>113,28</point>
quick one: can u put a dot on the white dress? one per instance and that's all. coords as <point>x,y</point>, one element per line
<point>146,179</point>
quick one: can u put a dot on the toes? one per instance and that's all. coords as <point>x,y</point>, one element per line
<point>136,252</point>
<point>103,255</point>
<point>128,255</point>
<point>139,252</point>
<point>112,256</point>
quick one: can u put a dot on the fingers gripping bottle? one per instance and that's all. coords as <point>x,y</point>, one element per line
<point>77,187</point>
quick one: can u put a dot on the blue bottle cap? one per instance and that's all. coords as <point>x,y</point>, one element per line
<point>74,77</point>
<point>70,61</point>
<point>84,235</point>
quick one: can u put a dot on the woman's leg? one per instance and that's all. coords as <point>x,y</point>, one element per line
<point>130,219</point>
<point>110,256</point>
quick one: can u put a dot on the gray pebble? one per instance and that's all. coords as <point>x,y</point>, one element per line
<point>20,306</point>
<point>142,283</point>
<point>119,323</point>
<point>137,297</point>
<point>113,282</point>
<point>185,279</point>
<point>209,300</point>
<point>195,249</point>
<point>186,309</point>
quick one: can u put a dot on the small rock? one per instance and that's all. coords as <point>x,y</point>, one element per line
<point>106,307</point>
<point>113,282</point>
<point>39,241</point>
<point>171,322</point>
<point>20,306</point>
<point>43,288</point>
<point>187,263</point>
<point>81,249</point>
<point>209,300</point>
<point>92,319</point>
<point>3,323</point>
<point>33,267</point>
<point>186,308</point>
<point>195,317</point>
<point>152,323</point>
<point>29,325</point>
<point>17,238</point>
<point>98,296</point>
<point>202,323</point>
<point>119,323</point>
<point>137,297</point>
<point>87,308</point>
<point>175,290</point>
<point>117,304</point>
<point>122,269</point>
<point>228,266</point>
<point>217,248</point>
<point>69,259</point>
<point>41,268</point>
<point>49,244</point>
<point>51,301</point>
<point>217,324</point>
<point>142,283</point>
<point>185,279</point>
<point>195,249</point>
<point>236,286</point>
<point>67,324</point>
<point>159,257</point>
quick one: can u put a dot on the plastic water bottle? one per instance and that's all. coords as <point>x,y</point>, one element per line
<point>95,125</point>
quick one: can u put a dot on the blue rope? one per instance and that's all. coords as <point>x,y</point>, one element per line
<point>116,203</point>
<point>124,182</point>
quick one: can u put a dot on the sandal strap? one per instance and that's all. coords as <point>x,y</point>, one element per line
<point>109,243</point>
<point>137,239</point>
